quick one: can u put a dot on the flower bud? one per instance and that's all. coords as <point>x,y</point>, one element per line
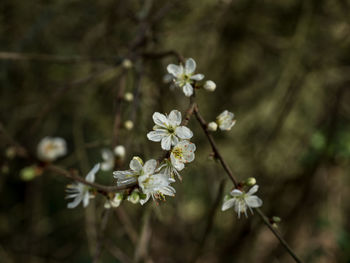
<point>128,97</point>
<point>134,197</point>
<point>127,63</point>
<point>138,159</point>
<point>212,126</point>
<point>28,173</point>
<point>10,152</point>
<point>129,125</point>
<point>250,181</point>
<point>276,219</point>
<point>119,151</point>
<point>209,85</point>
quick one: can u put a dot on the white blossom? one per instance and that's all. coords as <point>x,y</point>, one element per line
<point>168,130</point>
<point>212,126</point>
<point>241,201</point>
<point>209,85</point>
<point>119,151</point>
<point>184,76</point>
<point>225,120</point>
<point>168,169</point>
<point>81,192</point>
<point>115,202</point>
<point>108,160</point>
<point>182,153</point>
<point>128,97</point>
<point>155,186</point>
<point>49,149</point>
<point>137,168</point>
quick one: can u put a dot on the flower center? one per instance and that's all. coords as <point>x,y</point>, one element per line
<point>178,153</point>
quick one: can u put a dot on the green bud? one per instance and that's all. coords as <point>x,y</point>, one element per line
<point>28,173</point>
<point>250,181</point>
<point>276,219</point>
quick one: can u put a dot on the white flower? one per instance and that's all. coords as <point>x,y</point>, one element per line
<point>80,192</point>
<point>129,125</point>
<point>185,77</point>
<point>115,202</point>
<point>168,169</point>
<point>119,151</point>
<point>225,120</point>
<point>168,129</point>
<point>182,153</point>
<point>241,201</point>
<point>209,85</point>
<point>212,126</point>
<point>108,160</point>
<point>155,186</point>
<point>49,149</point>
<point>137,168</point>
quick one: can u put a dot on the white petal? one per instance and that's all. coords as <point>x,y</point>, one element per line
<point>107,165</point>
<point>187,89</point>
<point>236,192</point>
<point>150,166</point>
<point>75,202</point>
<point>177,164</point>
<point>174,140</point>
<point>86,199</point>
<point>183,132</point>
<point>91,175</point>
<point>126,181</point>
<point>190,66</point>
<point>197,77</point>
<point>253,190</point>
<point>143,201</point>
<point>166,143</point>
<point>157,135</point>
<point>160,119</point>
<point>174,118</point>
<point>253,201</point>
<point>228,204</point>
<point>175,70</point>
<point>122,174</point>
<point>135,165</point>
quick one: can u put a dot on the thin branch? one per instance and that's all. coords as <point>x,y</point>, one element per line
<point>235,182</point>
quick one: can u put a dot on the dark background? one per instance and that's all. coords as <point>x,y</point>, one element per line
<point>281,66</point>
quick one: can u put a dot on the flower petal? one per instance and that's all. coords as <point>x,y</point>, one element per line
<point>157,135</point>
<point>253,201</point>
<point>183,132</point>
<point>75,202</point>
<point>86,199</point>
<point>197,77</point>
<point>160,119</point>
<point>174,118</point>
<point>187,89</point>
<point>236,192</point>
<point>228,204</point>
<point>150,166</point>
<point>190,66</point>
<point>175,70</point>
<point>135,165</point>
<point>253,190</point>
<point>166,143</point>
<point>91,175</point>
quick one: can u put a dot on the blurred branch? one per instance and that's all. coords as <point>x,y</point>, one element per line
<point>160,55</point>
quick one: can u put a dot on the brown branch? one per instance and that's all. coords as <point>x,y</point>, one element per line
<point>235,182</point>
<point>99,187</point>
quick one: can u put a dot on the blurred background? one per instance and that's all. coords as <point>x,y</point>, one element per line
<point>281,66</point>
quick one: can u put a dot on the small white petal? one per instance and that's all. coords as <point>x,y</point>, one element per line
<point>122,174</point>
<point>91,175</point>
<point>253,201</point>
<point>135,165</point>
<point>75,202</point>
<point>174,118</point>
<point>197,77</point>
<point>160,119</point>
<point>150,166</point>
<point>86,199</point>
<point>166,143</point>
<point>253,190</point>
<point>175,70</point>
<point>187,89</point>
<point>157,135</point>
<point>190,66</point>
<point>183,132</point>
<point>236,192</point>
<point>228,204</point>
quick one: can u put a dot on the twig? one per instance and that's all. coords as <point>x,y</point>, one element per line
<point>235,182</point>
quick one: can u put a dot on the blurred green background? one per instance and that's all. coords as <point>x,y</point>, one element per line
<point>281,66</point>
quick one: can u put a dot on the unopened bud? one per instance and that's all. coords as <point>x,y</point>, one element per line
<point>28,173</point>
<point>138,159</point>
<point>134,197</point>
<point>129,125</point>
<point>10,152</point>
<point>127,63</point>
<point>209,85</point>
<point>128,97</point>
<point>276,219</point>
<point>119,151</point>
<point>212,126</point>
<point>250,181</point>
